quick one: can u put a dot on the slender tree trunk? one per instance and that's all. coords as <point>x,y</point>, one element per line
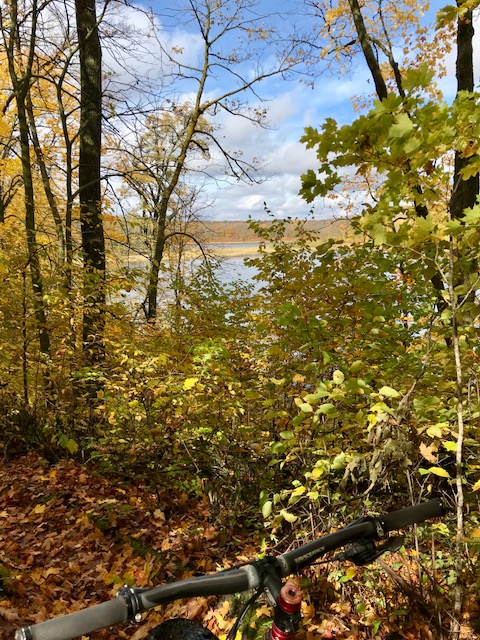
<point>24,339</point>
<point>30,227</point>
<point>152,292</point>
<point>68,140</point>
<point>370,57</point>
<point>93,239</point>
<point>21,85</point>
<point>460,501</point>
<point>464,195</point>
<point>45,178</point>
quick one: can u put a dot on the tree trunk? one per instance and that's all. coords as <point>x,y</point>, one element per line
<point>30,227</point>
<point>21,79</point>
<point>45,178</point>
<point>464,195</point>
<point>93,239</point>
<point>152,291</point>
<point>465,192</point>
<point>163,210</point>
<point>370,57</point>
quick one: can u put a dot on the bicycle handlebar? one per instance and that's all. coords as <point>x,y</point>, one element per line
<point>79,623</point>
<point>130,602</point>
<point>370,527</point>
<point>412,515</point>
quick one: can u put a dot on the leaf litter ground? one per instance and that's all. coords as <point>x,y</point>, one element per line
<point>69,538</point>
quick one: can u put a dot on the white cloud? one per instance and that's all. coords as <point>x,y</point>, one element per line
<point>136,59</point>
<point>284,157</point>
<point>292,106</point>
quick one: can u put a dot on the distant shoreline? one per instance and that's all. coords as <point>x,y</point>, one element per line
<point>220,250</point>
<point>236,249</point>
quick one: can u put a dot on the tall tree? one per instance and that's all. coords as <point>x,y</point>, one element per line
<point>146,158</point>
<point>420,156</point>
<point>19,33</point>
<point>93,239</point>
<point>232,36</point>
<point>464,192</point>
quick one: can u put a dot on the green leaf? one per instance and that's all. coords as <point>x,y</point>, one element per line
<point>450,445</point>
<point>388,392</point>
<point>71,446</point>
<point>306,407</point>
<point>326,408</point>
<point>356,366</point>
<point>315,397</point>
<point>378,233</point>
<point>338,377</point>
<point>339,462</point>
<point>422,229</point>
<point>445,15</point>
<point>287,435</point>
<point>402,127</point>
<point>267,509</point>
<point>418,78</point>
<point>435,431</point>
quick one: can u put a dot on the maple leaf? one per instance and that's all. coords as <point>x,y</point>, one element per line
<point>427,452</point>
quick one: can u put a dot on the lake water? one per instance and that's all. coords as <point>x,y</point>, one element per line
<point>231,269</point>
<point>236,269</point>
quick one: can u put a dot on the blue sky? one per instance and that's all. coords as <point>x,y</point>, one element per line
<point>292,105</point>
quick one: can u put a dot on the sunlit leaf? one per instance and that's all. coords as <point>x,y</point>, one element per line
<point>305,407</point>
<point>289,517</point>
<point>438,471</point>
<point>388,392</point>
<point>402,127</point>
<point>267,509</point>
<point>338,377</point>
<point>450,445</point>
<point>189,383</point>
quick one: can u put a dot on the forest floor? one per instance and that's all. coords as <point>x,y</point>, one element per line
<point>69,538</point>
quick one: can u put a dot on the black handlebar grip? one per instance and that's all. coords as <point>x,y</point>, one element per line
<point>412,515</point>
<point>79,623</point>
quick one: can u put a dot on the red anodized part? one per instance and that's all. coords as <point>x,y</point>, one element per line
<point>278,634</point>
<point>290,599</point>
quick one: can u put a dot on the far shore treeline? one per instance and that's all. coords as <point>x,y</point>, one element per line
<point>139,231</point>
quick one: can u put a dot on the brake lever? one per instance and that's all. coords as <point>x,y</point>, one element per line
<point>366,551</point>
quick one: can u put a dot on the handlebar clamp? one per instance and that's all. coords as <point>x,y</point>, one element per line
<point>134,608</point>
